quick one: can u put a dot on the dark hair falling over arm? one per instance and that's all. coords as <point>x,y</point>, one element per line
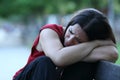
<point>99,29</point>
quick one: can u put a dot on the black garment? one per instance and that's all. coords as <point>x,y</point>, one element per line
<point>80,71</point>
<point>42,68</point>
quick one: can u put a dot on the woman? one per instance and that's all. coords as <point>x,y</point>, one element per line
<point>56,48</point>
<point>96,27</point>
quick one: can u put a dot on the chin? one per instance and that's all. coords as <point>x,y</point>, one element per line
<point>65,45</point>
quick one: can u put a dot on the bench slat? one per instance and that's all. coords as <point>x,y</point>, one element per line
<point>107,71</point>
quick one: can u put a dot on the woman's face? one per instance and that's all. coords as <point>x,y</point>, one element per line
<point>74,35</point>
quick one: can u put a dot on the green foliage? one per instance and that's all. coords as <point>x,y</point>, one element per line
<point>117,6</point>
<point>25,7</point>
<point>118,47</point>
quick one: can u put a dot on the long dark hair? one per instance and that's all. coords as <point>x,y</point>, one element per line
<point>94,23</point>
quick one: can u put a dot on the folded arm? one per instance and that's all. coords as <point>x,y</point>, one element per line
<point>62,56</point>
<point>107,53</point>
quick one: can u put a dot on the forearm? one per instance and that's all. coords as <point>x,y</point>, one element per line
<point>62,56</point>
<point>107,53</point>
<point>72,54</point>
<point>82,52</point>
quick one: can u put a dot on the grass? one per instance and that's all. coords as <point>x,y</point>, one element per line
<point>118,47</point>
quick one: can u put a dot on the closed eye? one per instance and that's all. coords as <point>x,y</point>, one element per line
<point>70,30</point>
<point>77,39</point>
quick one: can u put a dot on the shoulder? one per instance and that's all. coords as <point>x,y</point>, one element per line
<point>57,28</point>
<point>52,26</point>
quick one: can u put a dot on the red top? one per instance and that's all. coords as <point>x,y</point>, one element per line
<point>34,52</point>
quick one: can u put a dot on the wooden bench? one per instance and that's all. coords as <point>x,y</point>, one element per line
<point>102,70</point>
<point>107,71</point>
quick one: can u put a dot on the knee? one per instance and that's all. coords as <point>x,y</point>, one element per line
<point>44,59</point>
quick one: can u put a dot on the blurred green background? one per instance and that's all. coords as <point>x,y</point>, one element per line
<point>27,16</point>
<point>40,7</point>
<point>20,21</point>
<point>118,47</point>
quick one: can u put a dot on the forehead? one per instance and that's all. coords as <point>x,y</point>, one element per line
<point>76,28</point>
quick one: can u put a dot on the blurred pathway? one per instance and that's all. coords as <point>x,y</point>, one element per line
<point>12,59</point>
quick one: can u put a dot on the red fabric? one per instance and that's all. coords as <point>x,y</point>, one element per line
<point>35,53</point>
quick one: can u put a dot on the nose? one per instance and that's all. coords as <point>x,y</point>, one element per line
<point>70,41</point>
<point>71,38</point>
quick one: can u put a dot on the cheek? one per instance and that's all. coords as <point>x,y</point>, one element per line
<point>84,38</point>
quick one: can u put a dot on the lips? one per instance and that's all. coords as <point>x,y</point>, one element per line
<point>67,43</point>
